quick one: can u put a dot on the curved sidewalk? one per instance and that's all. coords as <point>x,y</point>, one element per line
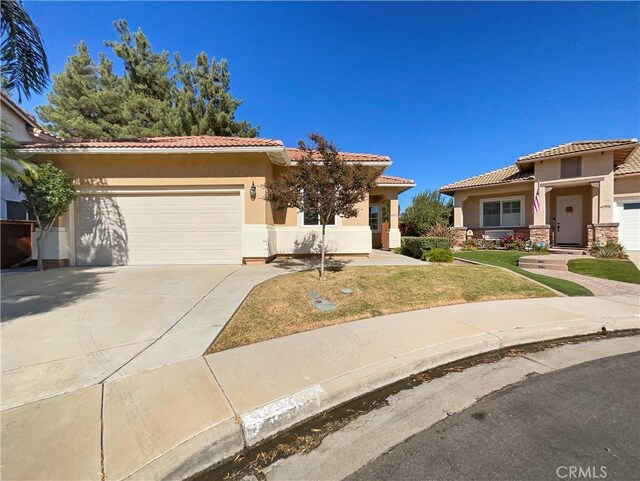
<point>176,420</point>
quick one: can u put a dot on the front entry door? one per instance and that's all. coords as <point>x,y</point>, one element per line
<point>569,219</point>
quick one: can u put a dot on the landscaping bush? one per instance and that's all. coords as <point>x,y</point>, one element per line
<point>438,255</point>
<point>440,229</point>
<point>470,245</point>
<point>416,246</point>
<point>516,242</point>
<point>610,250</point>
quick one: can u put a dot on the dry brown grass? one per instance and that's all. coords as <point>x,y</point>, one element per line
<point>280,306</point>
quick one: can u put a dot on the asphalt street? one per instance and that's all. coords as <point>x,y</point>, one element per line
<point>582,422</point>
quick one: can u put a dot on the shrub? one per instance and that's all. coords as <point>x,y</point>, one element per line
<point>516,242</point>
<point>540,247</point>
<point>470,245</point>
<point>610,250</point>
<point>416,246</point>
<point>440,229</point>
<point>438,255</point>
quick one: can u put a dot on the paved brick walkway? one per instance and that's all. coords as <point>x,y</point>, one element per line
<point>599,287</point>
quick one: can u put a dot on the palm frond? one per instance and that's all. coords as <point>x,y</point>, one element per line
<point>11,165</point>
<point>24,60</point>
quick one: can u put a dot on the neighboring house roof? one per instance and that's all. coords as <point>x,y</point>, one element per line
<point>506,175</point>
<point>631,165</point>
<point>185,142</point>
<point>575,147</point>
<point>296,154</point>
<point>391,180</point>
<point>32,125</point>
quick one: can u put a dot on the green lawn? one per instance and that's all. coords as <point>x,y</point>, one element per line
<point>509,260</point>
<point>613,269</point>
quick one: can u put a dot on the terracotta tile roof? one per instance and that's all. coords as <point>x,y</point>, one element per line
<point>631,165</point>
<point>296,154</point>
<point>388,179</point>
<point>576,147</point>
<point>501,176</point>
<point>195,141</point>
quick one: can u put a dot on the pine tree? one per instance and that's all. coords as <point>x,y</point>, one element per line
<point>150,99</point>
<point>204,101</point>
<point>74,108</point>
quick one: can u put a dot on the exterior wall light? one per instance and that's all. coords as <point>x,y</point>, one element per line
<point>252,191</point>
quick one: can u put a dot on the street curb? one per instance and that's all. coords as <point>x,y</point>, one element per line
<point>259,425</point>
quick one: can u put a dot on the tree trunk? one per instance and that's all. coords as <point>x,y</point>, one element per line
<point>39,240</point>
<point>322,252</point>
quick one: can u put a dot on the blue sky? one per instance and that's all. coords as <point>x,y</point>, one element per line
<point>447,90</point>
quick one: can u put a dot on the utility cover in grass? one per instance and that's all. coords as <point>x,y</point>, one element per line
<point>346,290</point>
<point>313,295</point>
<point>324,305</point>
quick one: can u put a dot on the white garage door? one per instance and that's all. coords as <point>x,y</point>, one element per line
<point>629,230</point>
<point>158,229</point>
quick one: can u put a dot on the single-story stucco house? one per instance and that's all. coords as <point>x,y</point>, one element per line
<point>198,200</point>
<point>584,192</point>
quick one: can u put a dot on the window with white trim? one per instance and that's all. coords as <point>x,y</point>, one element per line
<point>374,217</point>
<point>501,213</point>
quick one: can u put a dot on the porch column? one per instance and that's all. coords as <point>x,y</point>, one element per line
<point>458,216</point>
<point>540,231</point>
<point>394,231</point>
<point>540,217</point>
<point>595,202</point>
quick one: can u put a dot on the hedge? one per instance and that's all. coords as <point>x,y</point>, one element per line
<point>438,255</point>
<point>417,246</point>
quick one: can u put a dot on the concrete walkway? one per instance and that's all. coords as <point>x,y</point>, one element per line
<point>65,329</point>
<point>599,287</point>
<point>178,419</point>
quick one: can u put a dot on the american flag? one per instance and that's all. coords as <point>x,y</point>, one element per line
<point>536,201</point>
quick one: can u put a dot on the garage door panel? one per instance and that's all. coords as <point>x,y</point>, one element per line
<point>629,230</point>
<point>158,229</point>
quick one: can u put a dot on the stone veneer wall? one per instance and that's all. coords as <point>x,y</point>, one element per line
<point>540,233</point>
<point>602,233</point>
<point>459,236</point>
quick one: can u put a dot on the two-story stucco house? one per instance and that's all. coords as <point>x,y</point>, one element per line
<point>198,200</point>
<point>23,128</point>
<point>584,192</point>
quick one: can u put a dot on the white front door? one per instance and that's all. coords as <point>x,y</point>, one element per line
<point>569,219</point>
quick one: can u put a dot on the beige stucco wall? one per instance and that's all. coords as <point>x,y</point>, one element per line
<point>471,202</point>
<point>598,164</point>
<point>155,170</point>
<point>627,185</point>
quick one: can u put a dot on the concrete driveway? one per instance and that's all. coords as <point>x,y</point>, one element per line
<point>64,329</point>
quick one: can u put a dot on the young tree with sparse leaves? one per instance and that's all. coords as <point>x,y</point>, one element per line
<point>47,197</point>
<point>322,184</point>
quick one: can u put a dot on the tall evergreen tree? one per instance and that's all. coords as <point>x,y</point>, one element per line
<point>204,101</point>
<point>151,98</point>
<point>75,108</point>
